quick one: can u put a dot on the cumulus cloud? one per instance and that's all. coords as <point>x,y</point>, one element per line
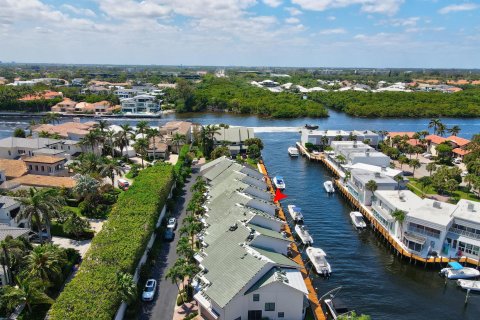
<point>458,7</point>
<point>293,11</point>
<point>333,31</point>
<point>369,6</point>
<point>292,20</point>
<point>272,3</point>
<point>78,11</point>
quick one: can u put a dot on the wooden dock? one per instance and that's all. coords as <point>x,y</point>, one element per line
<point>395,244</point>
<point>296,255</point>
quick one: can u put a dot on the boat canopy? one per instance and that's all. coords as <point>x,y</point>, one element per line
<point>296,209</point>
<point>455,265</point>
<point>279,177</point>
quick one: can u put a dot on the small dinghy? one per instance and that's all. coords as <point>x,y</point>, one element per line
<point>457,271</point>
<point>279,183</point>
<point>329,186</point>
<point>304,235</point>
<point>318,258</point>
<point>469,284</point>
<point>357,220</point>
<point>293,152</point>
<point>311,127</point>
<point>295,213</point>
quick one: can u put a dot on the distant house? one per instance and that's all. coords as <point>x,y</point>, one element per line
<point>171,128</point>
<point>140,104</point>
<point>46,165</point>
<point>355,152</point>
<point>357,184</point>
<point>68,130</point>
<point>66,106</point>
<point>9,210</point>
<point>319,137</point>
<point>46,95</point>
<point>234,138</point>
<point>458,144</point>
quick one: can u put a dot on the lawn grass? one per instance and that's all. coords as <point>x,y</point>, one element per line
<point>460,193</point>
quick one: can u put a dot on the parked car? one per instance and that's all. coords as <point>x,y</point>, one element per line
<point>123,184</point>
<point>169,234</point>
<point>195,161</point>
<point>149,290</point>
<point>407,173</point>
<point>34,237</point>
<point>457,160</point>
<point>427,155</point>
<point>172,223</point>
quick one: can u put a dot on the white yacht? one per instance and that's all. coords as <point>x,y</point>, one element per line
<point>357,220</point>
<point>469,284</point>
<point>329,186</point>
<point>318,258</point>
<point>295,213</point>
<point>304,235</point>
<point>278,182</point>
<point>457,271</point>
<point>293,151</point>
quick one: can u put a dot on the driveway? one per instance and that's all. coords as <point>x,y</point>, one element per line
<point>81,246</point>
<point>163,306</point>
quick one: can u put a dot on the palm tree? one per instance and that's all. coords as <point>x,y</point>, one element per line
<point>324,141</point>
<point>110,138</point>
<point>348,175</point>
<point>178,139</point>
<point>175,274</point>
<point>141,147</point>
<point>41,206</point>
<point>103,125</point>
<point>91,139</point>
<point>45,262</point>
<point>153,133</point>
<point>341,159</point>
<point>441,128</point>
<point>371,186</point>
<point>87,163</point>
<point>191,230</point>
<point>31,125</point>
<point>454,131</point>
<point>52,118</point>
<point>399,216</point>
<point>11,256</point>
<point>208,136</point>
<point>434,123</point>
<point>28,291</point>
<point>431,167</point>
<point>142,127</point>
<point>184,249</point>
<point>124,137</point>
<point>398,179</point>
<point>402,160</point>
<point>110,167</point>
<point>127,287</point>
<point>470,179</point>
<point>415,164</point>
<point>85,186</point>
<point>44,134</point>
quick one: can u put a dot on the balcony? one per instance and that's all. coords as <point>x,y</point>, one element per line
<point>465,233</point>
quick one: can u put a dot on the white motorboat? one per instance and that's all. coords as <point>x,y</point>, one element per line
<point>457,271</point>
<point>279,183</point>
<point>295,213</point>
<point>304,235</point>
<point>329,186</point>
<point>293,152</point>
<point>469,284</point>
<point>357,220</point>
<point>318,258</point>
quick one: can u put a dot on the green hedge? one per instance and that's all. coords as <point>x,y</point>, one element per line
<point>93,293</point>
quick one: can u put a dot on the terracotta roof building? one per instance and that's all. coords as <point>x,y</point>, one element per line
<point>71,130</point>
<point>13,168</point>
<point>67,105</point>
<point>461,142</point>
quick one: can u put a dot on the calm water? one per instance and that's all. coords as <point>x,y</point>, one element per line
<point>374,281</point>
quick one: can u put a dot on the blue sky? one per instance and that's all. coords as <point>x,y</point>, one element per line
<point>310,33</point>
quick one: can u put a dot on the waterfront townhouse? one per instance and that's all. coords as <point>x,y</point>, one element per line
<point>463,237</point>
<point>326,137</point>
<point>352,152</point>
<point>245,271</point>
<point>358,184</point>
<point>140,104</point>
<point>234,138</point>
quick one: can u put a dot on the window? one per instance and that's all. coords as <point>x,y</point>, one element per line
<point>239,318</point>
<point>30,167</point>
<point>270,306</point>
<point>9,153</point>
<point>281,314</point>
<point>256,297</point>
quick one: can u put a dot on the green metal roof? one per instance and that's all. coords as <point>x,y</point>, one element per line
<point>268,232</point>
<point>277,258</point>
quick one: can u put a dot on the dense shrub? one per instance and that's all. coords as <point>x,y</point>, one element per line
<point>94,293</point>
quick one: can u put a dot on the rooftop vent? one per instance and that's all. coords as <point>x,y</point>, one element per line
<point>384,168</point>
<point>377,175</point>
<point>437,204</point>
<point>233,227</point>
<point>401,195</point>
<point>470,207</point>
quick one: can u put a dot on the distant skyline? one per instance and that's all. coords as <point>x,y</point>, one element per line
<point>283,33</point>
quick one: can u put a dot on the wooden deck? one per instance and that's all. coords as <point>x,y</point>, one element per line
<point>296,256</point>
<point>394,243</point>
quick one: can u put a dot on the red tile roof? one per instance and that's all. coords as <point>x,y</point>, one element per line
<point>414,142</point>
<point>435,139</point>
<point>401,134</point>
<point>460,151</point>
<point>459,141</point>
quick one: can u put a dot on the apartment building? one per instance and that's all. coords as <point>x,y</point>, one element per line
<point>326,137</point>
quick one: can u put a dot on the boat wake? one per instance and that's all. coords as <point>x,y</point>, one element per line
<point>275,129</point>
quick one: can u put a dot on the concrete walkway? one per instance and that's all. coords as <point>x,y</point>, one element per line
<point>162,308</point>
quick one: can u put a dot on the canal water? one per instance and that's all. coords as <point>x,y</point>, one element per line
<point>374,280</point>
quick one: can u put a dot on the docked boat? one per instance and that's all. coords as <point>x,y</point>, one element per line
<point>295,213</point>
<point>329,186</point>
<point>457,271</point>
<point>469,284</point>
<point>357,220</point>
<point>293,152</point>
<point>318,258</point>
<point>311,127</point>
<point>279,183</point>
<point>304,235</point>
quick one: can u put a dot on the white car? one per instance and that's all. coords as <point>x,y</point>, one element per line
<point>172,223</point>
<point>457,160</point>
<point>427,155</point>
<point>464,173</point>
<point>149,290</point>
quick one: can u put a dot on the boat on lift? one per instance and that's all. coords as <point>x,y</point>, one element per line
<point>304,235</point>
<point>357,220</point>
<point>279,182</point>
<point>295,213</point>
<point>311,127</point>
<point>457,271</point>
<point>469,284</point>
<point>328,185</point>
<point>318,258</point>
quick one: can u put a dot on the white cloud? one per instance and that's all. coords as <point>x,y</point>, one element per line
<point>370,6</point>
<point>331,18</point>
<point>333,31</point>
<point>407,22</point>
<point>272,3</point>
<point>293,11</point>
<point>292,20</point>
<point>79,11</point>
<point>458,7</point>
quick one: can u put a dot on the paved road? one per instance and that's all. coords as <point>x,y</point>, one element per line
<point>165,302</point>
